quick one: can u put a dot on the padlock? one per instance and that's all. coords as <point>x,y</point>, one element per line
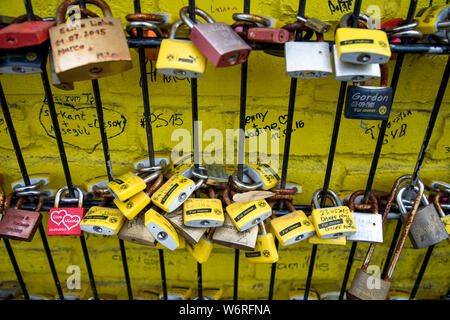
<point>26,60</point>
<point>368,102</point>
<point>135,231</point>
<point>369,226</point>
<point>366,286</point>
<point>308,59</point>
<point>265,249</point>
<point>18,224</point>
<point>182,244</point>
<point>131,207</point>
<point>216,40</point>
<point>177,293</point>
<point>331,222</point>
<point>179,57</point>
<point>55,79</point>
<point>228,235</point>
<point>444,218</point>
<point>356,45</point>
<point>217,176</point>
<point>292,227</point>
<point>90,48</point>
<point>264,175</point>
<point>314,24</point>
<point>143,164</point>
<point>427,228</point>
<point>161,229</point>
<point>247,215</point>
<point>102,220</point>
<point>200,212</point>
<point>203,248</point>
<point>66,221</point>
<point>341,241</point>
<point>9,289</point>
<point>191,235</point>
<point>346,71</point>
<point>257,33</point>
<point>129,184</point>
<point>434,20</point>
<point>177,189</point>
<point>24,34</point>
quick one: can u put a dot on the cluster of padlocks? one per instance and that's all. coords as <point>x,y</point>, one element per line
<point>183,206</point>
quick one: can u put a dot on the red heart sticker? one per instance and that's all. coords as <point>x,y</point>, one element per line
<point>71,221</point>
<point>58,216</point>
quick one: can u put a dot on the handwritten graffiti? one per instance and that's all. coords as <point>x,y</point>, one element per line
<point>160,119</point>
<point>154,75</point>
<point>395,128</point>
<point>278,126</point>
<point>340,6</point>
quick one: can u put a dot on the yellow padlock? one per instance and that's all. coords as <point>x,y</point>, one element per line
<point>248,214</point>
<point>264,176</point>
<point>129,184</point>
<point>102,220</point>
<point>198,212</point>
<point>265,248</point>
<point>202,249</point>
<point>161,229</point>
<point>181,240</point>
<point>332,222</point>
<point>341,241</point>
<point>429,19</point>
<point>292,227</point>
<point>180,58</point>
<point>173,193</point>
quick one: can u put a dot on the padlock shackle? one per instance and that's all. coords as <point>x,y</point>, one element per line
<point>226,194</point>
<point>152,176</point>
<point>7,203</point>
<point>154,18</point>
<point>384,70</point>
<point>61,191</point>
<point>416,34</point>
<point>174,28</point>
<point>155,185</point>
<point>347,18</point>
<point>290,206</point>
<point>436,202</point>
<point>440,186</point>
<point>202,175</point>
<point>333,196</point>
<point>248,17</point>
<point>401,200</point>
<point>62,9</point>
<point>242,186</point>
<point>373,202</point>
<point>24,18</point>
<point>146,26</point>
<point>198,11</point>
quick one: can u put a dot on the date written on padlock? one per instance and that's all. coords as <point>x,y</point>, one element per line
<point>102,220</point>
<point>247,215</point>
<point>203,213</point>
<point>333,222</point>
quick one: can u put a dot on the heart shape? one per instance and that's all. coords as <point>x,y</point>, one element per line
<point>70,221</point>
<point>58,216</point>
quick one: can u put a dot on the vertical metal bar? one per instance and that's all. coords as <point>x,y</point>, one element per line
<point>236,274</point>
<point>163,273</point>
<point>12,257</point>
<point>29,8</point>
<point>426,259</point>
<point>88,267</point>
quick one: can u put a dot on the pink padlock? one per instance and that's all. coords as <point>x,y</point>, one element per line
<point>216,40</point>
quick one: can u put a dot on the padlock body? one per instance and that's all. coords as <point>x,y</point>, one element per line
<point>365,287</point>
<point>134,205</point>
<point>173,193</point>
<point>126,186</point>
<point>369,227</point>
<point>220,44</point>
<point>341,241</point>
<point>55,79</point>
<point>19,224</point>
<point>228,236</point>
<point>182,244</point>
<point>217,176</point>
<point>201,250</point>
<point>429,18</point>
<point>26,60</point>
<point>308,60</point>
<point>89,49</point>
<point>102,220</point>
<point>370,103</point>
<point>362,45</point>
<point>248,214</point>
<point>427,228</point>
<point>268,35</point>
<point>180,58</point>
<point>333,222</point>
<point>202,213</point>
<point>161,229</point>
<point>25,34</point>
<point>292,228</point>
<point>345,71</point>
<point>265,250</point>
<point>65,221</point>
<point>263,173</point>
<point>135,231</point>
<point>190,234</point>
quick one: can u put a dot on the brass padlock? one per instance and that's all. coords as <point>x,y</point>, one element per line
<point>102,220</point>
<point>90,48</point>
<point>135,231</point>
<point>427,228</point>
<point>161,229</point>
<point>190,234</point>
<point>366,286</point>
<point>265,249</point>
<point>332,222</point>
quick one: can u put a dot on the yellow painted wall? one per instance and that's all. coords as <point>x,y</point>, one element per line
<point>219,89</point>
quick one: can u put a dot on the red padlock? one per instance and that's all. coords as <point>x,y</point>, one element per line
<point>21,33</point>
<point>66,221</point>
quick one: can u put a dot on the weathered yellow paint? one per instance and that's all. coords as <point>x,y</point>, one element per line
<point>219,89</point>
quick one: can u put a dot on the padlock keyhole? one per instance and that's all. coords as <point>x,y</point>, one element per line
<point>12,40</point>
<point>95,70</point>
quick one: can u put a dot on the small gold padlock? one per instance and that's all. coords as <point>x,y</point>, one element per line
<point>161,229</point>
<point>332,222</point>
<point>102,220</point>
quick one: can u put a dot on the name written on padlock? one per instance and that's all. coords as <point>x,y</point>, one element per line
<point>333,222</point>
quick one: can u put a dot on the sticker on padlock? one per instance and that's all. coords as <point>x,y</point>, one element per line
<point>161,229</point>
<point>333,222</point>
<point>216,40</point>
<point>91,48</point>
<point>432,20</point>
<point>369,226</point>
<point>180,58</point>
<point>198,212</point>
<point>202,250</point>
<point>17,224</point>
<point>427,228</point>
<point>135,231</point>
<point>247,215</point>
<point>66,221</point>
<point>368,102</point>
<point>129,184</point>
<point>101,220</point>
<point>346,71</point>
<point>292,227</point>
<point>444,218</point>
<point>177,293</point>
<point>191,235</point>
<point>314,239</point>
<point>265,249</point>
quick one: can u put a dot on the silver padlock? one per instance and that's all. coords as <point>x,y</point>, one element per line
<point>346,71</point>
